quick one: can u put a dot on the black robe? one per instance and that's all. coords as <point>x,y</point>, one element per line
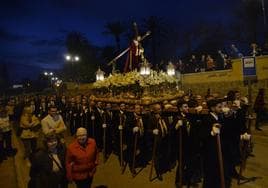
<point>143,145</point>
<point>210,153</point>
<point>162,162</point>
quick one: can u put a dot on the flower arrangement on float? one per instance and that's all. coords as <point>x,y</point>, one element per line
<point>134,85</point>
<point>130,78</point>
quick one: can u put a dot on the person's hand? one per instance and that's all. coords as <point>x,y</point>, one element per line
<point>178,124</point>
<point>92,117</point>
<point>215,129</point>
<point>156,132</point>
<point>120,127</point>
<point>245,136</point>
<point>135,129</point>
<point>104,125</point>
<point>199,109</point>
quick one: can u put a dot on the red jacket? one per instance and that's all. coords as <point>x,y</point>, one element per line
<point>81,162</point>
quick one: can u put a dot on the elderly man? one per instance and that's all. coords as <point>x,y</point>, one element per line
<point>82,159</point>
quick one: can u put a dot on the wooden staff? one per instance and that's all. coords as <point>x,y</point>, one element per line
<point>134,153</point>
<point>153,157</point>
<point>74,124</point>
<point>121,143</point>
<point>82,120</point>
<point>244,146</point>
<point>93,125</point>
<point>68,119</point>
<point>180,157</point>
<point>121,148</point>
<point>220,160</point>
<point>86,121</point>
<point>104,144</point>
<point>243,160</point>
<point>104,137</point>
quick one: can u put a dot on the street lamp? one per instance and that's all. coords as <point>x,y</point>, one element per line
<point>72,58</point>
<point>145,69</point>
<point>48,74</point>
<point>54,78</point>
<point>76,58</point>
<point>170,69</point>
<point>99,75</point>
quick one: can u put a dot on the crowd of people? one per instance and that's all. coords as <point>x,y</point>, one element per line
<point>204,63</point>
<point>201,137</point>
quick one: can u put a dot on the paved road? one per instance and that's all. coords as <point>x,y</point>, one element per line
<point>109,173</point>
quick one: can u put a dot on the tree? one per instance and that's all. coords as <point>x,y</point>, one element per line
<point>248,16</point>
<point>83,70</point>
<point>4,78</point>
<point>116,29</point>
<point>158,34</point>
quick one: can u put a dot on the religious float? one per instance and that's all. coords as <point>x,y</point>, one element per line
<point>138,84</point>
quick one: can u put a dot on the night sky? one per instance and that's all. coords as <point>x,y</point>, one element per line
<point>32,33</point>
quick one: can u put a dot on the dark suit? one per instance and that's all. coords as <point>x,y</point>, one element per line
<point>162,163</point>
<point>41,172</point>
<point>143,145</point>
<point>210,155</point>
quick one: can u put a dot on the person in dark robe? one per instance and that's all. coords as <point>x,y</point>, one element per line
<point>108,128</point>
<point>99,123</point>
<point>190,152</point>
<point>136,124</point>
<point>212,126</point>
<point>160,131</point>
<point>119,121</point>
<point>72,115</point>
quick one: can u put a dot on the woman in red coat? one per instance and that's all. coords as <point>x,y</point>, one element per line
<point>82,159</point>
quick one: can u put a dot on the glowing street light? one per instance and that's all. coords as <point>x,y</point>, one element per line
<point>72,58</point>
<point>76,58</point>
<point>68,57</point>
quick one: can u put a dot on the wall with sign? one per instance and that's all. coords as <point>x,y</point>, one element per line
<point>223,81</point>
<point>234,74</point>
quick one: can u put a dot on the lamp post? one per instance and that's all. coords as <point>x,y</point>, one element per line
<point>72,59</point>
<point>145,68</point>
<point>49,76</point>
<point>99,75</point>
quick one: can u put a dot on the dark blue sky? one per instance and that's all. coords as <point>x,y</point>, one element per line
<point>32,32</point>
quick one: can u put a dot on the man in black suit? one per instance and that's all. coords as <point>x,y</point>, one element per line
<point>212,127</point>
<point>137,127</point>
<point>160,130</point>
